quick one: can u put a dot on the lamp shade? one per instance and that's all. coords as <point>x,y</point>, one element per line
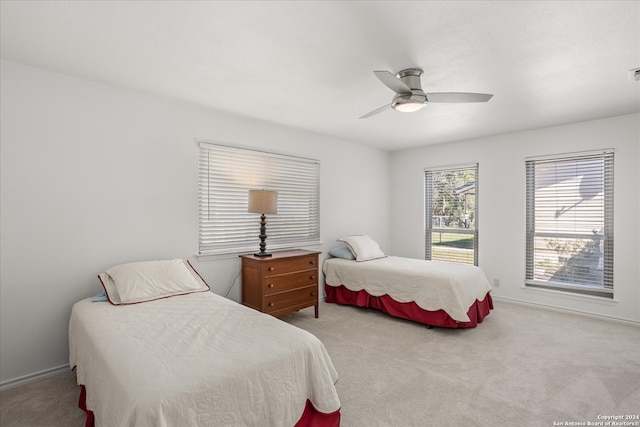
<point>263,202</point>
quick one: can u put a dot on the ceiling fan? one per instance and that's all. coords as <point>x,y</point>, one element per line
<point>409,94</point>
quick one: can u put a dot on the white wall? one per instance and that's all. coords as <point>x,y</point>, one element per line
<point>93,176</point>
<point>501,216</point>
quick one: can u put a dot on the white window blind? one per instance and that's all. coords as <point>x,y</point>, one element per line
<point>451,210</point>
<point>225,176</point>
<point>570,223</point>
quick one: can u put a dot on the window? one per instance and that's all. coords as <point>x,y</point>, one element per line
<point>570,223</point>
<point>225,176</point>
<point>451,208</point>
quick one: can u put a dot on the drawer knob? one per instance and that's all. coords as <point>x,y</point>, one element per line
<point>313,277</point>
<point>312,262</point>
<point>313,294</point>
<point>271,285</point>
<point>270,304</point>
<point>271,268</point>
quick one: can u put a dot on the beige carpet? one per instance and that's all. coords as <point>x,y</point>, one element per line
<point>520,367</point>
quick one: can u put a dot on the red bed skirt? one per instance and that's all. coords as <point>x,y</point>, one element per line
<point>311,417</point>
<point>408,310</point>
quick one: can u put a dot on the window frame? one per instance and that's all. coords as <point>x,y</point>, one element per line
<point>606,289</point>
<point>428,203</point>
<point>226,173</point>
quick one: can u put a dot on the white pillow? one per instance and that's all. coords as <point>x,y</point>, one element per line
<point>146,281</point>
<point>363,247</point>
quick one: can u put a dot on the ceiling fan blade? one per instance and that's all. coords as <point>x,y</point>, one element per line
<point>376,111</point>
<point>393,83</point>
<point>455,97</point>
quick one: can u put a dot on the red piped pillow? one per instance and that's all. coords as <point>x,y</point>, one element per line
<point>150,280</point>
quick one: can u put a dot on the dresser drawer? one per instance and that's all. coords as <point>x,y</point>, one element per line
<point>302,297</point>
<point>286,282</point>
<point>282,266</point>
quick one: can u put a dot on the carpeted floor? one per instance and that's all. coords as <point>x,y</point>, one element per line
<point>521,367</point>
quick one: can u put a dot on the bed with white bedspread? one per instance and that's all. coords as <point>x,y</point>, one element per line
<point>197,360</point>
<point>435,293</point>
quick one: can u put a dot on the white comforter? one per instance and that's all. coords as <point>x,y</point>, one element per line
<point>431,285</point>
<point>196,359</point>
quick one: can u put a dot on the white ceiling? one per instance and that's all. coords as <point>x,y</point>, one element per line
<point>308,64</point>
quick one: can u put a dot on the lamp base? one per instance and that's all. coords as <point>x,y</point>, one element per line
<point>263,238</point>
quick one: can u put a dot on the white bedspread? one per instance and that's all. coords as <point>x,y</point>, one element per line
<point>431,285</point>
<point>196,359</point>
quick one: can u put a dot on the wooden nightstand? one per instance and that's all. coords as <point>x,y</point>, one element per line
<point>284,282</point>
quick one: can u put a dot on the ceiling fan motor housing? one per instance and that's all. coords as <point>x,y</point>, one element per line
<point>411,77</point>
<point>414,100</point>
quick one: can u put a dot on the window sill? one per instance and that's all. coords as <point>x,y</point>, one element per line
<point>236,254</point>
<point>569,295</point>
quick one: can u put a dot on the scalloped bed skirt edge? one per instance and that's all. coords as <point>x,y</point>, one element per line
<point>408,310</point>
<point>311,417</point>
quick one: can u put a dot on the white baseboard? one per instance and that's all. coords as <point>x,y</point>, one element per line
<point>30,378</point>
<point>566,310</point>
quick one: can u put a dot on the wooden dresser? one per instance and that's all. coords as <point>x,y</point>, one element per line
<point>284,282</point>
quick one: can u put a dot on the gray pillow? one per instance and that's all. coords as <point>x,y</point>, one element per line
<point>341,251</point>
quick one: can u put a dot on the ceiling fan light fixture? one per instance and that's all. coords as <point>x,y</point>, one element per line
<point>408,107</point>
<point>408,103</point>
